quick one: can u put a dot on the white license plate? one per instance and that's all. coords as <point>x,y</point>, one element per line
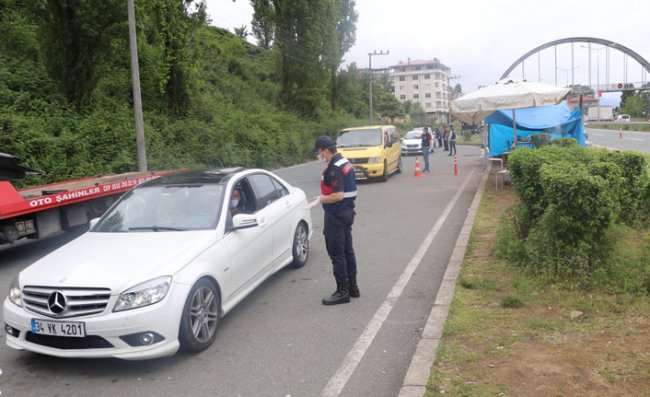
<point>59,328</point>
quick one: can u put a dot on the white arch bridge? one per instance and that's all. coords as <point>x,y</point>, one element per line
<point>578,61</point>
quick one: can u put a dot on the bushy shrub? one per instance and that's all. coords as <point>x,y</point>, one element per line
<point>569,235</point>
<point>564,142</point>
<point>540,140</point>
<point>570,201</point>
<point>634,170</point>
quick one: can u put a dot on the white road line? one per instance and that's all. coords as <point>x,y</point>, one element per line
<point>354,356</point>
<point>634,139</point>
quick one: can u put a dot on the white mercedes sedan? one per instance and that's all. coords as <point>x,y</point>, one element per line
<point>158,270</point>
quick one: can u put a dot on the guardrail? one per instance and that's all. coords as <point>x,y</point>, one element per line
<point>617,123</point>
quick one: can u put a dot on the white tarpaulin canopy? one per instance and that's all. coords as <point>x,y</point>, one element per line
<point>506,94</point>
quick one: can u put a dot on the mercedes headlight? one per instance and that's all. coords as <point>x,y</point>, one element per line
<point>373,160</point>
<point>143,294</point>
<point>15,294</point>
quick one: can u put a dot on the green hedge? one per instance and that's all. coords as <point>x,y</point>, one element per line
<point>571,200</point>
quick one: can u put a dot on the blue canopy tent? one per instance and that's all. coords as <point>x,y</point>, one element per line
<point>558,121</point>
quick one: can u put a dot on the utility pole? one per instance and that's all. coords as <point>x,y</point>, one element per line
<point>137,100</point>
<point>370,75</point>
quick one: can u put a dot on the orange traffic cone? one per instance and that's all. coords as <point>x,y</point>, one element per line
<point>418,172</point>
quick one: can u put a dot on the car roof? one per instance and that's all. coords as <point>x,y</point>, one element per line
<point>216,175</point>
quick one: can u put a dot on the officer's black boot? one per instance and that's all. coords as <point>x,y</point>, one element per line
<point>341,295</point>
<point>353,288</point>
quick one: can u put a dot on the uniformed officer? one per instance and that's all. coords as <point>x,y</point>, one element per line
<point>339,191</point>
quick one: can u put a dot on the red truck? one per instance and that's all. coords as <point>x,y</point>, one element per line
<point>40,211</point>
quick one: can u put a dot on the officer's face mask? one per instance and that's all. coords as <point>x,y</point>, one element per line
<point>234,203</point>
<point>321,157</point>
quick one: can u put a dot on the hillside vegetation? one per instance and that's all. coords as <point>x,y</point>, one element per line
<point>210,98</point>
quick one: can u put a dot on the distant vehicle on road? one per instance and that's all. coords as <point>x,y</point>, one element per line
<point>422,129</point>
<point>374,151</point>
<point>472,128</point>
<point>623,117</point>
<point>412,143</point>
<point>161,267</point>
<point>600,113</point>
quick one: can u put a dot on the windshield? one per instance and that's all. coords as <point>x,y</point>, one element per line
<point>413,135</point>
<point>370,137</point>
<point>164,208</point>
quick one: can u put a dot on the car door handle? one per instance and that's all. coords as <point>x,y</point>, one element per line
<point>262,221</point>
<point>287,204</point>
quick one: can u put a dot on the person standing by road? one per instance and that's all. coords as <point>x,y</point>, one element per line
<point>339,192</point>
<point>427,147</point>
<point>439,137</point>
<point>452,142</point>
<point>445,138</point>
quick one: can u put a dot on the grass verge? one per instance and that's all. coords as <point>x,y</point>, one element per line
<point>508,334</point>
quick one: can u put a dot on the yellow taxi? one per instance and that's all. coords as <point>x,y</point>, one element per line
<point>374,150</point>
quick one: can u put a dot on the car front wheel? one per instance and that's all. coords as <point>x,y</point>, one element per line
<point>200,317</point>
<point>384,176</point>
<point>300,247</point>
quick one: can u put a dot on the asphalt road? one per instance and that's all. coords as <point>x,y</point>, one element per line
<point>623,140</point>
<point>281,341</point>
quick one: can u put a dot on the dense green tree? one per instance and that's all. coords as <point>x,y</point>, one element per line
<point>384,101</point>
<point>23,78</point>
<point>311,38</point>
<point>75,37</point>
<point>625,95</point>
<point>263,22</point>
<point>210,98</point>
<point>345,17</point>
<point>352,89</point>
<point>168,27</point>
<point>418,115</point>
<point>636,104</point>
<point>408,106</point>
<point>303,37</point>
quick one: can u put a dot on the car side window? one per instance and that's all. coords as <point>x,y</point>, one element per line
<point>282,191</point>
<point>265,190</point>
<point>393,135</point>
<point>247,202</point>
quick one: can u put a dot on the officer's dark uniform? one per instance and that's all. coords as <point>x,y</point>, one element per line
<point>339,217</point>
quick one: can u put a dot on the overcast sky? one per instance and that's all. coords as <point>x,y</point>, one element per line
<point>480,39</point>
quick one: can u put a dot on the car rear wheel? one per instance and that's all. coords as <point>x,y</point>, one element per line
<point>300,247</point>
<point>200,317</point>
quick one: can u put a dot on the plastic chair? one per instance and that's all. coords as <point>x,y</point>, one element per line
<point>493,159</point>
<point>501,176</point>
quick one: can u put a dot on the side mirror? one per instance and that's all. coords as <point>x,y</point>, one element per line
<point>244,221</point>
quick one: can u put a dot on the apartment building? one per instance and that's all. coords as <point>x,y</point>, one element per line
<point>425,82</point>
